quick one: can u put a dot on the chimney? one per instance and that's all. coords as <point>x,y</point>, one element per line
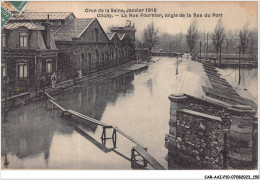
<point>48,33</point>
<point>126,23</point>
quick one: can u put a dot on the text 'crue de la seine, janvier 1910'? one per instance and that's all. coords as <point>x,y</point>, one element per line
<point>146,12</point>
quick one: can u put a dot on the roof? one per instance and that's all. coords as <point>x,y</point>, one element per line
<point>122,28</point>
<point>42,16</point>
<point>121,36</point>
<point>30,26</point>
<point>73,29</point>
<point>110,35</point>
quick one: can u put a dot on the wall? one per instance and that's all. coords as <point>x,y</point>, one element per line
<point>114,50</point>
<point>89,34</point>
<point>206,134</point>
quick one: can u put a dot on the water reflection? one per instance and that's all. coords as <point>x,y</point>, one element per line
<point>29,132</point>
<point>136,102</point>
<point>249,78</point>
<point>92,100</point>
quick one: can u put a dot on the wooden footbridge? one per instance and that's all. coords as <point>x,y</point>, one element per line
<point>137,151</point>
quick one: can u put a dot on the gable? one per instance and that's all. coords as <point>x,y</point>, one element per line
<point>89,35</point>
<point>125,38</point>
<point>115,39</point>
<point>72,29</point>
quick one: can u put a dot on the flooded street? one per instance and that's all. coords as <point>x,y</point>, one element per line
<point>248,78</point>
<point>136,102</point>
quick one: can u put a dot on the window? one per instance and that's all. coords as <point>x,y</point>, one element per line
<point>23,70</point>
<point>96,34</point>
<point>48,67</point>
<point>3,69</point>
<point>3,42</point>
<point>112,55</point>
<point>125,52</point>
<point>23,39</point>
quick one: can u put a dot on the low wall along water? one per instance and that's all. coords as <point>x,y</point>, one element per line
<point>205,134</point>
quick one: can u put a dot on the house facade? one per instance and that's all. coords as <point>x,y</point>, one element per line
<point>27,52</point>
<point>40,43</point>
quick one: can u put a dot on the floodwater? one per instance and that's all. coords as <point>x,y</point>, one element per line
<point>248,81</point>
<point>136,102</point>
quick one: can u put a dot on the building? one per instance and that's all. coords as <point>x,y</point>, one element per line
<point>84,46</point>
<point>28,51</point>
<point>142,54</point>
<point>40,43</point>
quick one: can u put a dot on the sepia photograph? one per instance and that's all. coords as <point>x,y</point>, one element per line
<point>121,85</point>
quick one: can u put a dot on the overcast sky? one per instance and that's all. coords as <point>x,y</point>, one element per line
<point>234,14</point>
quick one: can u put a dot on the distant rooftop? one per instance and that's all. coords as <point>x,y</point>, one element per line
<point>73,29</point>
<point>121,36</point>
<point>30,26</point>
<point>110,35</point>
<point>123,28</point>
<point>42,16</point>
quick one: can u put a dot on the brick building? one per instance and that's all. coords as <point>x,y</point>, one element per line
<point>40,43</point>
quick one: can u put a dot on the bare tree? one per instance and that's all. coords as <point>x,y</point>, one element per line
<point>192,35</point>
<point>218,37</point>
<point>252,44</point>
<point>243,37</point>
<point>151,36</point>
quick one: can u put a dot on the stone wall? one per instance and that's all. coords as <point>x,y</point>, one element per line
<point>206,134</point>
<point>240,137</point>
<point>204,106</point>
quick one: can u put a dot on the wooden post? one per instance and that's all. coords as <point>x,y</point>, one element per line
<point>114,138</point>
<point>103,133</point>
<point>145,163</point>
<point>103,136</point>
<point>132,158</point>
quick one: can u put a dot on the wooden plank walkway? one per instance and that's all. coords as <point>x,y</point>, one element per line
<point>129,137</point>
<point>142,152</point>
<point>140,149</point>
<point>48,96</point>
<point>16,96</point>
<point>57,105</point>
<point>89,119</point>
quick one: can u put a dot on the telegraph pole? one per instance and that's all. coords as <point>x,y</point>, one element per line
<point>239,77</point>
<point>220,55</point>
<point>200,51</point>
<point>170,49</point>
<point>204,43</point>
<point>207,46</point>
<point>177,65</point>
<point>180,42</point>
<point>35,64</point>
<point>190,36</point>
